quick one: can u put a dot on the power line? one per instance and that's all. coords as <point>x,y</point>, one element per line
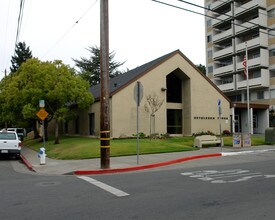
<point>245,8</point>
<point>19,21</point>
<point>219,13</point>
<point>184,9</point>
<point>63,36</point>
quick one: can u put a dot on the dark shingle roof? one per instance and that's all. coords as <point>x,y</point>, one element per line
<point>124,79</point>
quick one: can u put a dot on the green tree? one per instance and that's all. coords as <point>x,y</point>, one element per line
<point>89,69</point>
<point>53,82</point>
<point>201,68</point>
<point>22,53</point>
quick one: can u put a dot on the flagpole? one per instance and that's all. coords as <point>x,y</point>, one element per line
<point>247,90</point>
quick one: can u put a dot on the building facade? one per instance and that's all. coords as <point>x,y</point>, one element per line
<point>186,99</point>
<point>231,27</point>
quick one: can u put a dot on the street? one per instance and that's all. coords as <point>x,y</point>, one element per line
<point>239,187</point>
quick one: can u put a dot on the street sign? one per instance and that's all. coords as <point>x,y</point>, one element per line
<point>41,103</point>
<point>138,92</point>
<point>42,114</point>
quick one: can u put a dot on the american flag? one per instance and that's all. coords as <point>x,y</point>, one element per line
<point>245,67</point>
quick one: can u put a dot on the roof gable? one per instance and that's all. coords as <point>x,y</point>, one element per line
<point>119,82</point>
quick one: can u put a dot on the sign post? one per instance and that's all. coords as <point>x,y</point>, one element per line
<point>138,95</point>
<point>220,113</point>
<point>42,114</point>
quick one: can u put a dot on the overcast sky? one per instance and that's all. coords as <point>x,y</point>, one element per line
<point>139,30</point>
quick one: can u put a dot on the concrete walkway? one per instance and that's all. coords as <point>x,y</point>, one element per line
<point>126,163</point>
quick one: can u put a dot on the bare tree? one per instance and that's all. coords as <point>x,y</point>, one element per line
<point>152,105</point>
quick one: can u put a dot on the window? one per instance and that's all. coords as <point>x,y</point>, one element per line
<point>272,73</point>
<point>209,23</point>
<point>174,121</point>
<point>271,13</point>
<point>272,52</point>
<point>227,80</point>
<point>272,93</point>
<point>210,69</point>
<point>209,54</point>
<point>209,38</point>
<point>173,85</point>
<point>255,74</point>
<point>260,95</point>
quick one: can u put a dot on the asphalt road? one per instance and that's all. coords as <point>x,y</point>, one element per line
<point>239,187</point>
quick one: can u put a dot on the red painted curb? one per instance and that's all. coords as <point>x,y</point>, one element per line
<point>27,163</point>
<point>148,166</point>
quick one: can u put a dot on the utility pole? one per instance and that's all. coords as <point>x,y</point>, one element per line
<point>104,89</point>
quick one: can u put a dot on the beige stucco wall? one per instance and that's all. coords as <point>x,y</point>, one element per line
<point>199,100</point>
<point>124,109</point>
<point>199,106</point>
<point>203,101</point>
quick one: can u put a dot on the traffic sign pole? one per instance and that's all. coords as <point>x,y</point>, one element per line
<point>220,113</point>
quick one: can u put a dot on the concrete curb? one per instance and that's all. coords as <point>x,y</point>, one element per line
<point>143,167</point>
<point>27,163</point>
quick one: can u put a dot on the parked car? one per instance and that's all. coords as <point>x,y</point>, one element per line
<point>21,132</point>
<point>10,143</point>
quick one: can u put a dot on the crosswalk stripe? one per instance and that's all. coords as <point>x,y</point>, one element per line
<point>104,186</point>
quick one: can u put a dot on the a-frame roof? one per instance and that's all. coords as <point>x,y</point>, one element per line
<point>121,81</point>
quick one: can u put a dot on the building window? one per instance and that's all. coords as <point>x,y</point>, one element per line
<point>209,54</point>
<point>260,95</point>
<point>227,80</point>
<point>210,69</point>
<point>272,93</point>
<point>255,74</point>
<point>271,13</point>
<point>173,85</point>
<point>174,121</point>
<point>272,52</point>
<point>209,23</point>
<point>272,73</point>
<point>209,38</point>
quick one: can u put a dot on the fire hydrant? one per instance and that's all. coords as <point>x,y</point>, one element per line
<point>42,155</point>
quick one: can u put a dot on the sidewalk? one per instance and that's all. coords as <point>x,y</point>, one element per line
<point>126,163</point>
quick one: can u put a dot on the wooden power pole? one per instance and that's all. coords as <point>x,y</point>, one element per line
<point>104,89</point>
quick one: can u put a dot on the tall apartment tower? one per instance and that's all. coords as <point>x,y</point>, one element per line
<point>231,27</point>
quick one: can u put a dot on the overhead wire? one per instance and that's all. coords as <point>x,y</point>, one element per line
<point>64,35</point>
<point>229,16</point>
<point>19,21</point>
<point>205,15</point>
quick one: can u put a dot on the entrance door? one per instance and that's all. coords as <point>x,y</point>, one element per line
<point>174,121</point>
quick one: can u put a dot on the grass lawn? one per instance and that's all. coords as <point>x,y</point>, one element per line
<point>74,147</point>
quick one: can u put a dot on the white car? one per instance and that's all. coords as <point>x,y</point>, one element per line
<point>10,143</point>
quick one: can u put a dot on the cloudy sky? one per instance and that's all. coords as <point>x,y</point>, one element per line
<point>139,30</point>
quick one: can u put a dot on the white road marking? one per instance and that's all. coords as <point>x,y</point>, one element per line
<point>104,186</point>
<point>269,176</point>
<point>244,178</point>
<point>214,176</point>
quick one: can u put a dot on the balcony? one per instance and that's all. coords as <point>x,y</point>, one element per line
<point>219,4</point>
<point>222,19</point>
<point>262,60</point>
<point>223,35</point>
<point>261,41</point>
<point>249,6</point>
<point>223,70</point>
<point>222,53</point>
<point>260,82</point>
<point>226,87</point>
<point>256,23</point>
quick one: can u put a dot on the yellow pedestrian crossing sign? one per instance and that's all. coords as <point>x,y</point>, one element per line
<point>42,114</point>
